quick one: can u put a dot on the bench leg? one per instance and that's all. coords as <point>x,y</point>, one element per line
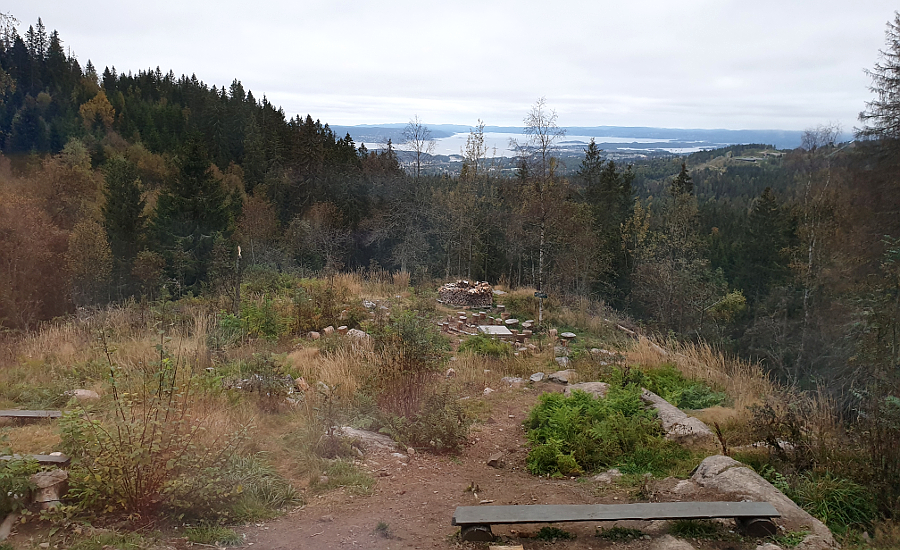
<point>476,533</point>
<point>757,527</point>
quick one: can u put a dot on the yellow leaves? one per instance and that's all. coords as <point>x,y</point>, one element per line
<point>97,110</point>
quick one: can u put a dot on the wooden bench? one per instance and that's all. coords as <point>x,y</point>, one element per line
<point>753,518</point>
<point>23,414</point>
<point>44,460</point>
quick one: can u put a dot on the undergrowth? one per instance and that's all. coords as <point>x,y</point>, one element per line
<point>578,434</point>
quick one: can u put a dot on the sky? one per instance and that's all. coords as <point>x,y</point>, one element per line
<point>787,64</point>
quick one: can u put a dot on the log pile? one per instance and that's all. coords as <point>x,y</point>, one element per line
<point>465,293</point>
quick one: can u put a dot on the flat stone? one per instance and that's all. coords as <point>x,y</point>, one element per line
<point>314,335</point>
<point>563,376</point>
<point>536,377</point>
<point>496,460</point>
<point>495,330</point>
<point>328,331</point>
<point>358,334</point>
<point>609,476</point>
<point>768,546</point>
<point>562,362</point>
<point>513,381</point>
<point>369,440</point>
<point>597,389</point>
<point>567,335</point>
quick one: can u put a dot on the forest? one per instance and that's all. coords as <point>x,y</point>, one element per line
<point>118,186</point>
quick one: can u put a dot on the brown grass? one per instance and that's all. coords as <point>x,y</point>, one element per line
<point>744,381</point>
<point>33,438</point>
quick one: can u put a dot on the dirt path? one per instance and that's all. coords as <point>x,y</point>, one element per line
<point>417,500</point>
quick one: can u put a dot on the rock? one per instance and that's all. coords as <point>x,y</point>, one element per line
<point>7,525</point>
<point>487,391</point>
<point>369,440</point>
<point>563,376</point>
<point>567,335</point>
<point>326,519</point>
<point>728,476</point>
<point>323,480</point>
<point>401,457</point>
<point>668,542</point>
<point>552,333</point>
<point>678,426</point>
<point>536,377</point>
<point>768,546</point>
<point>314,335</point>
<point>51,486</point>
<point>513,381</point>
<point>450,373</point>
<point>301,385</point>
<point>410,451</point>
<point>563,362</point>
<point>328,331</point>
<point>368,304</point>
<point>342,329</point>
<point>84,395</point>
<point>496,460</point>
<point>609,476</point>
<point>597,389</point>
<point>498,292</point>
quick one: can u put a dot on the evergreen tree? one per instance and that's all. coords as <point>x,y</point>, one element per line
<point>682,184</point>
<point>192,211</point>
<point>123,214</point>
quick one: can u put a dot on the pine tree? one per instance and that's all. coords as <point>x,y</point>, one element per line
<point>123,212</point>
<point>682,184</point>
<point>881,117</point>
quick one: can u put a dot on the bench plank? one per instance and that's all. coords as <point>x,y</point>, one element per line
<point>42,459</point>
<point>19,413</point>
<point>554,513</point>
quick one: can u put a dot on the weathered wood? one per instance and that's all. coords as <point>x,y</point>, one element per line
<point>19,413</point>
<point>543,513</point>
<point>42,459</point>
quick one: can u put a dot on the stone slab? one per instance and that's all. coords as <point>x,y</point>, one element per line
<point>18,413</point>
<point>495,330</point>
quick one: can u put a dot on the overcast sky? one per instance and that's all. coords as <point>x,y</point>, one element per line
<point>742,64</point>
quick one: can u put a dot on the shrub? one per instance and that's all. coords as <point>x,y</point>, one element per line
<point>442,425</point>
<point>840,503</point>
<point>670,384</point>
<point>15,483</point>
<point>581,433</point>
<point>151,450</point>
<point>343,473</point>
<point>482,345</point>
<point>262,489</point>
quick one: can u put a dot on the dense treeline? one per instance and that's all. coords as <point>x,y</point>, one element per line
<point>116,185</point>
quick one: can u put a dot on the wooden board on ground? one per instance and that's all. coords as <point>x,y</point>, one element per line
<point>543,513</point>
<point>19,413</point>
<point>60,460</point>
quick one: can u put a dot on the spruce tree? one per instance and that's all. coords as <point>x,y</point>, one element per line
<point>191,213</point>
<point>123,212</point>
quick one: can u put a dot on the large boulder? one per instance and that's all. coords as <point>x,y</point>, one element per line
<point>369,440</point>
<point>563,376</point>
<point>728,476</point>
<point>678,426</point>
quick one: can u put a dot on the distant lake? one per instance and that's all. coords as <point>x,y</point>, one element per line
<point>500,140</point>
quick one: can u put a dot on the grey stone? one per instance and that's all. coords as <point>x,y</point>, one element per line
<point>536,377</point>
<point>7,525</point>
<point>678,426</point>
<point>562,362</point>
<point>609,476</point>
<point>51,485</point>
<point>668,542</point>
<point>358,334</point>
<point>496,460</point>
<point>487,391</point>
<point>597,389</point>
<point>84,395</point>
<point>563,376</point>
<point>369,440</point>
<point>567,335</point>
<point>728,476</point>
<point>513,381</point>
<point>768,546</point>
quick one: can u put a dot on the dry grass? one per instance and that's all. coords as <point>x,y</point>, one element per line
<point>745,382</point>
<point>345,369</point>
<point>33,438</point>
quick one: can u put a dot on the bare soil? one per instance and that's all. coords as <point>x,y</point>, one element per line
<point>416,500</point>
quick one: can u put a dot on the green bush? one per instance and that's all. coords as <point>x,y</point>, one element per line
<point>482,345</point>
<point>582,433</point>
<point>670,384</point>
<point>15,483</point>
<point>552,534</point>
<point>840,503</point>
<point>260,490</point>
<point>343,473</point>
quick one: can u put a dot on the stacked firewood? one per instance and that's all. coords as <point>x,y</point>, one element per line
<point>466,293</point>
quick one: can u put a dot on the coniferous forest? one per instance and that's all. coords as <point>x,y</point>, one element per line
<point>118,185</point>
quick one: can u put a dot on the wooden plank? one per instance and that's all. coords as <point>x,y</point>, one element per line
<point>42,459</point>
<point>542,513</point>
<point>19,413</point>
